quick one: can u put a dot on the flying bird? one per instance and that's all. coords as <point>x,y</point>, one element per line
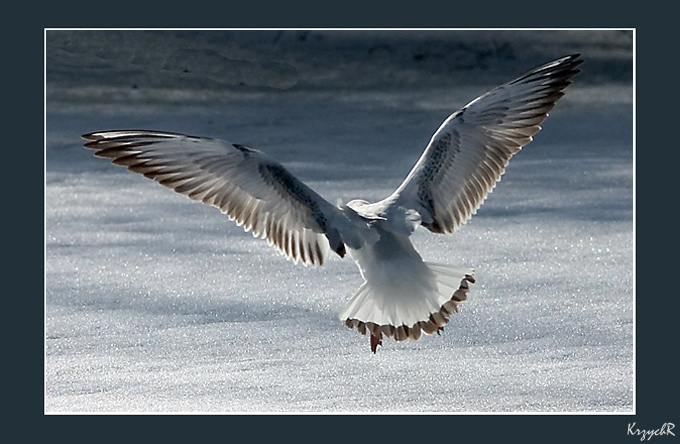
<point>402,296</point>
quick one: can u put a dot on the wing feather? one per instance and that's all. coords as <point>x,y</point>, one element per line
<point>468,154</point>
<point>255,191</point>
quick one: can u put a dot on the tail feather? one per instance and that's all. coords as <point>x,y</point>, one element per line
<point>404,309</point>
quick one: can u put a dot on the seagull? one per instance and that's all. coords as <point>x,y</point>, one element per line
<point>401,296</point>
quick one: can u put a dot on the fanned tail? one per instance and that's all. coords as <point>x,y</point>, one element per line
<point>405,308</point>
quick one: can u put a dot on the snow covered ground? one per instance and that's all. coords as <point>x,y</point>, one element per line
<point>155,303</point>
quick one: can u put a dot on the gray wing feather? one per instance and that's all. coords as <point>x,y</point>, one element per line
<point>469,152</point>
<point>254,190</point>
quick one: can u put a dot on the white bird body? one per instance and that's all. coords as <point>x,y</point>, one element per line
<point>402,296</point>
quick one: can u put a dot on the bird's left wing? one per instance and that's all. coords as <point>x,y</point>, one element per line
<point>470,150</point>
<point>250,187</point>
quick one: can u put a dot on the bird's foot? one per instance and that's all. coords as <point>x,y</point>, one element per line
<point>375,341</point>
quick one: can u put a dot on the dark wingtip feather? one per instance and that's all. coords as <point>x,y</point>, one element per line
<point>91,136</point>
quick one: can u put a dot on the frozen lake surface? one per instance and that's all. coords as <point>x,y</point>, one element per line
<point>155,303</point>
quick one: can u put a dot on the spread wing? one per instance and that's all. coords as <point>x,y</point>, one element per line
<point>470,150</point>
<point>251,188</point>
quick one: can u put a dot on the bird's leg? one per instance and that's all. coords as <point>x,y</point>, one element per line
<point>375,341</point>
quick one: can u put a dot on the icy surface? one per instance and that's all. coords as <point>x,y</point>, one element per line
<point>155,303</point>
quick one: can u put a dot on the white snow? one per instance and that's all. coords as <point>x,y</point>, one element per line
<point>155,303</point>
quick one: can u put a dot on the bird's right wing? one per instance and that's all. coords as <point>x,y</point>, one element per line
<point>469,152</point>
<point>250,187</point>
